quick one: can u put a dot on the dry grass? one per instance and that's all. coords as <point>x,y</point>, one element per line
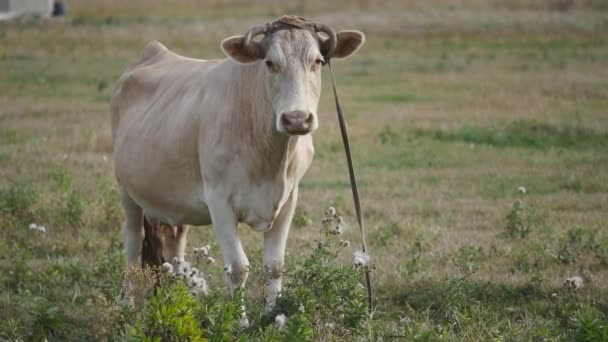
<point>429,101</point>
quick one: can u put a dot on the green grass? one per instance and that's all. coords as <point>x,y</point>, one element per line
<point>449,110</point>
<point>527,134</point>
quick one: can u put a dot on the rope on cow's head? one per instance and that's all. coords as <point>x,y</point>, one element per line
<point>287,22</point>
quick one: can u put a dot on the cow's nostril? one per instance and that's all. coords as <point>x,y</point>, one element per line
<point>309,119</point>
<point>285,120</point>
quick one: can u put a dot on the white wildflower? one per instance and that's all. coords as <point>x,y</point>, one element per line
<point>176,261</point>
<point>521,190</point>
<point>301,308</point>
<point>194,272</point>
<point>209,260</point>
<point>198,286</point>
<point>330,212</point>
<point>180,266</point>
<point>243,321</point>
<point>405,320</point>
<point>281,321</point>
<point>329,326</point>
<point>338,229</point>
<point>361,258</point>
<point>554,295</point>
<point>202,251</point>
<point>574,283</point>
<point>344,243</point>
<point>167,267</point>
<point>38,228</point>
<point>192,276</point>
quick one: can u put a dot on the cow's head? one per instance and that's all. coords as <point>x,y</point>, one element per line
<point>291,54</point>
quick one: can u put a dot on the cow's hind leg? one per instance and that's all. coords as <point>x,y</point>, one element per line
<point>152,247</point>
<point>134,236</point>
<point>134,230</point>
<point>175,242</point>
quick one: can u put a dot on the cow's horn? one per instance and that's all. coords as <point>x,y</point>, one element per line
<point>254,31</point>
<point>332,39</point>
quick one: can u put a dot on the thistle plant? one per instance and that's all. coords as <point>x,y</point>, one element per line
<point>519,217</point>
<point>322,296</point>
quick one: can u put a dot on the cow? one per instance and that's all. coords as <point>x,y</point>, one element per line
<point>219,142</point>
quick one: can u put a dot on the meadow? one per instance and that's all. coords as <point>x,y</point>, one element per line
<point>480,138</point>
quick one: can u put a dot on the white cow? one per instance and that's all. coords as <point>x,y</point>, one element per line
<point>220,142</point>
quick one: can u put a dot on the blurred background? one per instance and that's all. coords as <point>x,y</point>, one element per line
<point>479,131</point>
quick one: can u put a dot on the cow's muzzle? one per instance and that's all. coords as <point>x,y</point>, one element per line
<point>297,122</point>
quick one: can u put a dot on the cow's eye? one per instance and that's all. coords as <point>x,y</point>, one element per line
<point>317,65</point>
<point>271,66</point>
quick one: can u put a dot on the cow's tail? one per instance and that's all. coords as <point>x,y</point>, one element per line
<point>152,249</point>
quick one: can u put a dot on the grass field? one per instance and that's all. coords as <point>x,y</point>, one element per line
<point>452,106</point>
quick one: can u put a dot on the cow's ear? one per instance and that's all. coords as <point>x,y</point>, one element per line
<point>233,48</point>
<point>348,43</point>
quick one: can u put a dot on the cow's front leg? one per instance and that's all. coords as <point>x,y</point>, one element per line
<point>274,249</point>
<point>236,265</point>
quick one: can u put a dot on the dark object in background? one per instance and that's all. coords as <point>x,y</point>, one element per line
<point>58,9</point>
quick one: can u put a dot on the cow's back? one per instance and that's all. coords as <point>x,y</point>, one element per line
<point>155,126</point>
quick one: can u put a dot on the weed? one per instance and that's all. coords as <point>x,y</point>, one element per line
<point>384,235</point>
<point>579,240</point>
<point>18,199</point>
<point>63,180</point>
<point>466,258</point>
<point>48,321</point>
<point>11,329</point>
<point>519,220</point>
<point>320,289</point>
<point>414,261</point>
<point>74,208</point>
<point>168,316</point>
<point>590,325</point>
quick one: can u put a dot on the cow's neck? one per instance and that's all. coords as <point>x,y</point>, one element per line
<point>269,152</point>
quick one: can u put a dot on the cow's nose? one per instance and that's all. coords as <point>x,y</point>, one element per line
<point>297,122</point>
